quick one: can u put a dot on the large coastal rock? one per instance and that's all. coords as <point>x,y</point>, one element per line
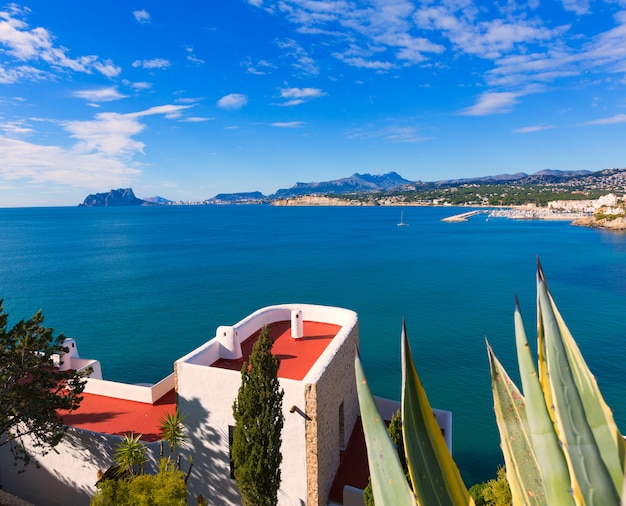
<point>119,197</point>
<point>609,224</point>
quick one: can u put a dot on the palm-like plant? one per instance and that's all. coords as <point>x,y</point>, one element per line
<point>130,455</point>
<point>173,430</point>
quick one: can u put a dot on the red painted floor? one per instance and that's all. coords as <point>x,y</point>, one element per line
<point>297,356</point>
<point>109,415</point>
<point>117,416</point>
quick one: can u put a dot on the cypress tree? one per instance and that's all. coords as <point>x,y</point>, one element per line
<point>258,414</point>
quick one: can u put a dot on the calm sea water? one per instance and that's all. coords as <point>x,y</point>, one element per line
<point>140,287</point>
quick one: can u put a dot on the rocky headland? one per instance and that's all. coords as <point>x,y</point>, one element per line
<point>114,198</point>
<point>608,223</point>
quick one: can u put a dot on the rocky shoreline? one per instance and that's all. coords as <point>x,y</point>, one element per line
<point>524,213</point>
<point>617,224</point>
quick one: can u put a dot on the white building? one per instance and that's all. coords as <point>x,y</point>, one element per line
<point>584,206</point>
<point>316,346</point>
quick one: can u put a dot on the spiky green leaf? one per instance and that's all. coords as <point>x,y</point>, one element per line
<point>581,449</point>
<point>600,417</point>
<point>550,458</point>
<point>389,484</point>
<point>434,474</point>
<point>522,469</point>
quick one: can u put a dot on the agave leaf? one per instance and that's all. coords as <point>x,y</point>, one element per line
<point>522,469</point>
<point>389,484</point>
<point>550,458</point>
<point>582,452</point>
<point>434,474</point>
<point>600,417</point>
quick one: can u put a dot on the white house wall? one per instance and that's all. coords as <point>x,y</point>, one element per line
<point>67,475</point>
<point>206,397</point>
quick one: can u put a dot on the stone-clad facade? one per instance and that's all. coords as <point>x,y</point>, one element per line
<point>332,407</point>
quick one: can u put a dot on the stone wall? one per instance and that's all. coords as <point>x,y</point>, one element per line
<point>324,436</point>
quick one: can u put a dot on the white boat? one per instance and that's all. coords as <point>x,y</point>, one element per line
<point>402,224</point>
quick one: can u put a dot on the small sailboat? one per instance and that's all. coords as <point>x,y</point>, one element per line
<point>402,224</point>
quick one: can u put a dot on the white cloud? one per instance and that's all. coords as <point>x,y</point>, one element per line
<point>195,119</point>
<point>532,128</point>
<point>302,62</point>
<point>579,7</point>
<point>261,68</point>
<point>142,16</point>
<point>11,75</point>
<point>137,86</point>
<point>34,163</point>
<point>100,95</point>
<point>107,68</point>
<point>492,103</point>
<point>394,134</point>
<point>101,156</point>
<point>36,45</point>
<point>612,120</point>
<point>15,128</point>
<point>155,63</point>
<point>111,134</point>
<point>233,101</point>
<point>296,96</point>
<point>288,124</point>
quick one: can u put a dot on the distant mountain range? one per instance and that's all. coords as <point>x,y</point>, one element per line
<point>544,176</point>
<point>357,183</point>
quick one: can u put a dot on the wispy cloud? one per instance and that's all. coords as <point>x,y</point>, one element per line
<point>195,119</point>
<point>297,96</point>
<point>513,47</point>
<point>137,86</point>
<point>532,128</point>
<point>37,46</point>
<point>260,68</point>
<point>301,61</point>
<point>492,103</point>
<point>288,124</point>
<point>15,128</point>
<point>101,156</point>
<point>155,63</point>
<point>111,134</point>
<point>142,16</point>
<point>35,163</point>
<point>391,134</point>
<point>612,120</point>
<point>191,56</point>
<point>100,95</point>
<point>233,101</point>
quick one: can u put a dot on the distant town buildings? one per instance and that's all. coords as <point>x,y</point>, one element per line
<point>609,201</point>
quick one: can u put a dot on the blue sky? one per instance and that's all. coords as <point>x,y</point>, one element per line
<point>188,99</point>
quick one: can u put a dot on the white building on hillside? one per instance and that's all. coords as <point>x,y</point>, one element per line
<point>321,438</point>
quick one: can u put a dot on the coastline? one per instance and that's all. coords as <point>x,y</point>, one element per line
<point>578,219</point>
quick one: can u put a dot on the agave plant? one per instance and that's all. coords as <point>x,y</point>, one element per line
<point>434,474</point>
<point>560,442</point>
<point>561,445</point>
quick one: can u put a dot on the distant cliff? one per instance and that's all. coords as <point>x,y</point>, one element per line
<point>114,198</point>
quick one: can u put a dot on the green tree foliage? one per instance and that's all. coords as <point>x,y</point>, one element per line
<point>166,488</point>
<point>258,424</point>
<point>31,389</point>
<point>493,492</point>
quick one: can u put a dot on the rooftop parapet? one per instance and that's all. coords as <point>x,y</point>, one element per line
<point>228,341</point>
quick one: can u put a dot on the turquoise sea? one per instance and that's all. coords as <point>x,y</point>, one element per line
<point>140,287</point>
